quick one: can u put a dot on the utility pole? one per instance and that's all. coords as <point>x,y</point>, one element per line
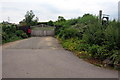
<point>100,15</point>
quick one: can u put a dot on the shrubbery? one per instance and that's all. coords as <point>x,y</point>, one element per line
<point>11,33</point>
<point>21,34</point>
<point>88,34</point>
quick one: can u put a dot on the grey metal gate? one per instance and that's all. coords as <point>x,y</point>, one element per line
<point>40,33</point>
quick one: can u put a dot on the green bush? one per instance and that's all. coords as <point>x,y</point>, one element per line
<point>88,18</point>
<point>13,38</point>
<point>11,33</point>
<point>8,28</point>
<point>82,47</point>
<point>102,53</point>
<point>112,36</point>
<point>99,52</point>
<point>21,34</point>
<point>68,33</point>
<point>70,44</point>
<point>88,34</point>
<point>93,51</point>
<point>24,35</point>
<point>50,23</point>
<point>115,57</point>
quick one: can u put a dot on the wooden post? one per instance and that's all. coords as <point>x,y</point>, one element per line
<point>100,15</point>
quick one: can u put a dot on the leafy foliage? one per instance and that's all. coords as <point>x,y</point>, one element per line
<point>21,34</point>
<point>50,23</point>
<point>60,18</point>
<point>68,33</point>
<point>88,34</point>
<point>29,19</point>
<point>11,33</point>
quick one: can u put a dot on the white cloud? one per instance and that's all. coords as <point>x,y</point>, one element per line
<point>50,9</point>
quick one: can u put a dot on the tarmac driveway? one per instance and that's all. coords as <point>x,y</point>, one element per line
<point>43,57</point>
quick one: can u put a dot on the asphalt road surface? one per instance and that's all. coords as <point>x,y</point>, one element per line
<point>43,57</point>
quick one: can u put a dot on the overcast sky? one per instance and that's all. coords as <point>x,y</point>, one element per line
<point>47,10</point>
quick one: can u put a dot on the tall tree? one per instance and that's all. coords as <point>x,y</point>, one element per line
<point>61,18</point>
<point>50,23</point>
<point>29,18</point>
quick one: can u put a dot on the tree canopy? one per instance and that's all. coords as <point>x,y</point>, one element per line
<point>30,19</point>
